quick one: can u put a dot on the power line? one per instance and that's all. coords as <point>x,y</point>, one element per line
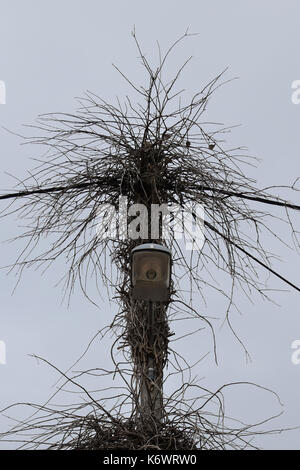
<point>50,189</point>
<point>252,198</point>
<point>252,256</point>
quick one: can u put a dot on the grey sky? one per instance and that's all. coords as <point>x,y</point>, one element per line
<point>53,51</point>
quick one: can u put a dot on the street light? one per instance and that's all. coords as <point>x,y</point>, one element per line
<point>151,272</point>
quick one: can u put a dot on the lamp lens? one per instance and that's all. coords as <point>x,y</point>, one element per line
<point>151,274</point>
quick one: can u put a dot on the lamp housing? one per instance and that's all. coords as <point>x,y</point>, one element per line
<point>151,272</point>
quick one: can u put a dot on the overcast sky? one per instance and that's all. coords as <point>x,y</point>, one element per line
<point>53,51</point>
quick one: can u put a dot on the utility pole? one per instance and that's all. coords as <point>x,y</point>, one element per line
<point>151,373</point>
<point>150,296</point>
<point>151,266</point>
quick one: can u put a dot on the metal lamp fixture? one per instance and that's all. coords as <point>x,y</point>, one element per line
<point>151,272</point>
